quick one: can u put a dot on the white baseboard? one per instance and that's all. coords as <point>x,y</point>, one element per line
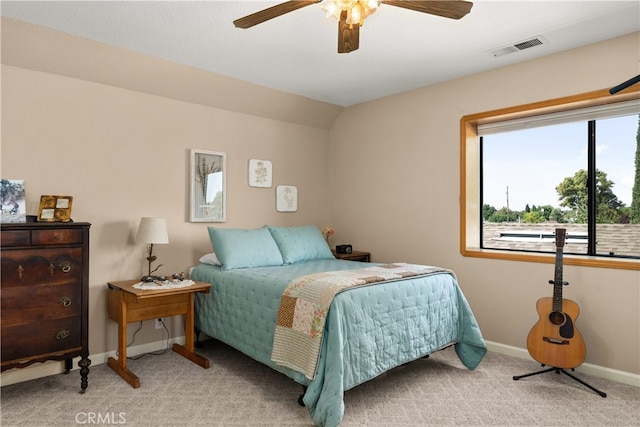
<point>53,367</point>
<point>587,368</point>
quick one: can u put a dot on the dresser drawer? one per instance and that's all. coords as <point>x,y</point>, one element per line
<point>56,237</point>
<point>39,303</point>
<point>40,338</point>
<point>15,238</point>
<point>24,267</point>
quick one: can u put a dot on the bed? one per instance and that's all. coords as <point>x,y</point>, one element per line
<point>368,328</point>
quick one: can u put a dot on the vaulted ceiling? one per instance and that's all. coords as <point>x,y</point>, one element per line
<point>399,49</point>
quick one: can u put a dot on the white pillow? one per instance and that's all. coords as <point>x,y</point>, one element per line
<point>210,259</point>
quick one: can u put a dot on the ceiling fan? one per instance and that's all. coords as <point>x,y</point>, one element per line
<point>351,14</point>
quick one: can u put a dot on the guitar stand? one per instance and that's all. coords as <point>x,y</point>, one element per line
<point>558,371</point>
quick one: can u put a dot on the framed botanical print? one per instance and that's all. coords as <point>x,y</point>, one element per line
<point>208,186</point>
<point>260,173</point>
<point>286,198</point>
<point>55,208</point>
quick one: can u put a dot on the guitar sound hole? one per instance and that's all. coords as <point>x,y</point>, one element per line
<point>556,317</point>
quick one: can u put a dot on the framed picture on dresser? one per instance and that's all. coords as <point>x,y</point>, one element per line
<point>13,206</point>
<point>55,208</point>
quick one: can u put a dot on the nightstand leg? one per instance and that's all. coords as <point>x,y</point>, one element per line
<point>120,365</point>
<point>189,332</point>
<point>126,374</point>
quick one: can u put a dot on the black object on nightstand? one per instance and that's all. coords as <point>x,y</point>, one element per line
<point>354,256</point>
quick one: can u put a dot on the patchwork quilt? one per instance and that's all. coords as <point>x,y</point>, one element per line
<point>306,301</point>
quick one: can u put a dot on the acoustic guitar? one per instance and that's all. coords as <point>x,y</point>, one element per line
<point>555,340</point>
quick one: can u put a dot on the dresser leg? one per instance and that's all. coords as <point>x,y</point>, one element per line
<point>84,373</point>
<point>68,365</point>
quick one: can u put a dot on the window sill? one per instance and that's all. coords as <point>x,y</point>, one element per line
<point>584,261</point>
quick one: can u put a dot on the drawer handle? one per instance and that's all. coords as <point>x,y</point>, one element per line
<point>65,267</point>
<point>63,334</point>
<point>57,237</point>
<point>65,301</point>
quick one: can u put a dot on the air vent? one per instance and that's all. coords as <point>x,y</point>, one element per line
<point>529,43</point>
<point>517,47</point>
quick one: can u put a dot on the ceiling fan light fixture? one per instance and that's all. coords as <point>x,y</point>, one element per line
<point>355,15</point>
<point>357,10</point>
<point>331,9</point>
<point>351,14</point>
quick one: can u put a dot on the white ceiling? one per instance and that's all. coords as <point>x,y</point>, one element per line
<point>399,50</point>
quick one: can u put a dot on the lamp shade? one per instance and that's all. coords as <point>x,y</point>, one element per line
<point>152,230</point>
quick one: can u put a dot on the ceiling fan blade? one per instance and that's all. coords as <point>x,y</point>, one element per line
<point>272,12</point>
<point>454,9</point>
<point>348,35</point>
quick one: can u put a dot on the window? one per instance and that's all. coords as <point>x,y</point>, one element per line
<point>525,172</point>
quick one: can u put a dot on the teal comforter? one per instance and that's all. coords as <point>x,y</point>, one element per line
<point>368,331</point>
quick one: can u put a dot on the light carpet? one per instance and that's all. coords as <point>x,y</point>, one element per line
<point>237,391</point>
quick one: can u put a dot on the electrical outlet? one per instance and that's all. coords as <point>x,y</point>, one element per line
<point>159,324</point>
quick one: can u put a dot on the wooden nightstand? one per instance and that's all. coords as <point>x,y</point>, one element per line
<point>354,256</point>
<point>128,304</point>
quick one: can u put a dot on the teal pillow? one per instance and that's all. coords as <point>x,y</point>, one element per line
<point>300,243</point>
<point>242,248</point>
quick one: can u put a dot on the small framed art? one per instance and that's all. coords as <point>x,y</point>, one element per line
<point>286,198</point>
<point>12,208</point>
<point>55,208</point>
<point>260,173</point>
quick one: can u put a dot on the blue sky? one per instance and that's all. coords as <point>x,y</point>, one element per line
<point>532,162</point>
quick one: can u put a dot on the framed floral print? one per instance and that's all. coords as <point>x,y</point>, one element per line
<point>286,198</point>
<point>260,173</point>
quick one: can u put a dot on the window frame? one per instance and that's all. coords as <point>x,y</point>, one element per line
<point>470,208</point>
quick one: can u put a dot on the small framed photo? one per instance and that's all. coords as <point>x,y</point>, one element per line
<point>286,198</point>
<point>55,208</point>
<point>12,208</point>
<point>260,173</point>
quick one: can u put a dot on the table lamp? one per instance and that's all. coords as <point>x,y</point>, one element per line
<point>152,231</point>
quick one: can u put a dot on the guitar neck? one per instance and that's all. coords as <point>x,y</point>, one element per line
<point>557,278</point>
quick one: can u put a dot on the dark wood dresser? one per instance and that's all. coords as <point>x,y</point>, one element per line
<point>45,295</point>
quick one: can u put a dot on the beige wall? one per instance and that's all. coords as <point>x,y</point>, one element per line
<point>395,173</point>
<point>123,155</point>
<point>386,176</point>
